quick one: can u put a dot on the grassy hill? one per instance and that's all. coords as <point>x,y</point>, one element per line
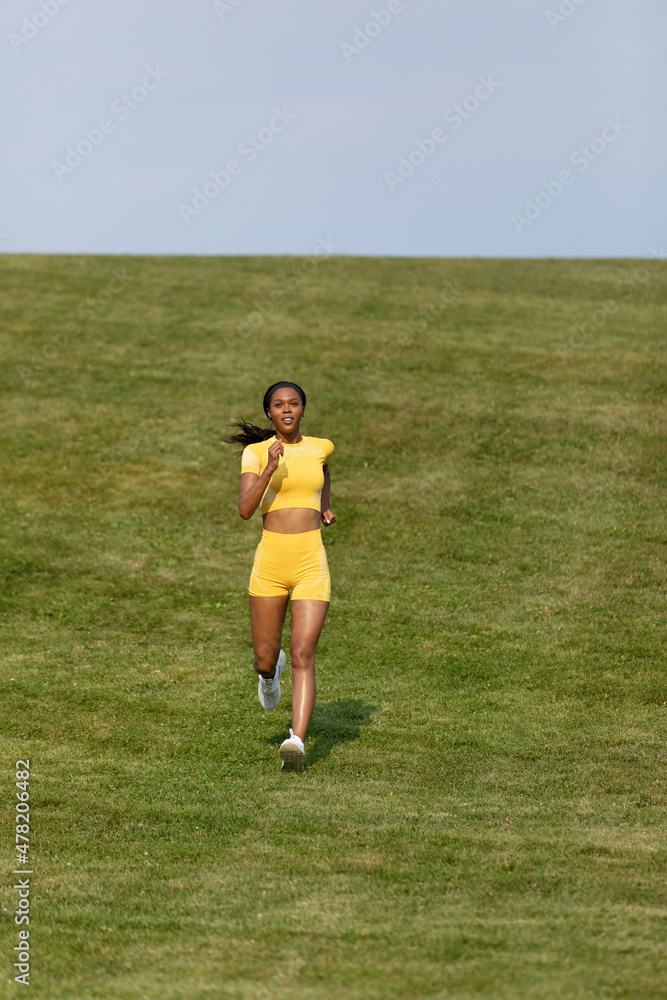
<point>482,815</point>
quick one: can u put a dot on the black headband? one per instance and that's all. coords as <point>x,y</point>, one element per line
<point>277,385</point>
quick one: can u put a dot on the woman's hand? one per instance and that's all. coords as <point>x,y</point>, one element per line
<point>273,455</point>
<point>327,516</point>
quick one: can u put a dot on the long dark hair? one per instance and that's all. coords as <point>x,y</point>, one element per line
<point>248,433</point>
<point>251,433</point>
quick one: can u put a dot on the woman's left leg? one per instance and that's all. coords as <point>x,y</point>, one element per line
<point>307,621</point>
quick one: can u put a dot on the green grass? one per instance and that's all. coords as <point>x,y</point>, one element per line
<point>482,816</point>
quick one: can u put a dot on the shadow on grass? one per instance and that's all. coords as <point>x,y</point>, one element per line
<point>333,723</point>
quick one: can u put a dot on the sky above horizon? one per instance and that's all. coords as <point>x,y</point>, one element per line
<point>396,128</point>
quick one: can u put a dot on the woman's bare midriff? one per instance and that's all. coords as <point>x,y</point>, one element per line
<point>291,520</point>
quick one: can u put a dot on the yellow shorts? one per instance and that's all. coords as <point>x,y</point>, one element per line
<point>296,561</point>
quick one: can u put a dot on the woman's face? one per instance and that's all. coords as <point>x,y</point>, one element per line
<point>285,409</point>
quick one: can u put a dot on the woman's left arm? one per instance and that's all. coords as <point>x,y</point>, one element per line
<point>326,515</point>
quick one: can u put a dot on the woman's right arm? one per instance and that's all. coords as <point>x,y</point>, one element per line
<point>252,486</point>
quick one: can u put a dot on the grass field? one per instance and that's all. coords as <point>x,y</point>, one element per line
<point>482,815</point>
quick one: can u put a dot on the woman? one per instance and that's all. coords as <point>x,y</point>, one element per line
<point>287,475</point>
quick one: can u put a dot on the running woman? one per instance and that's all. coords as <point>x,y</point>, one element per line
<point>286,475</point>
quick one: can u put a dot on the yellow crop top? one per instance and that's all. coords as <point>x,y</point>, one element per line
<point>299,478</point>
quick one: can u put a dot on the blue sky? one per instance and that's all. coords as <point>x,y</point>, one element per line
<point>403,127</point>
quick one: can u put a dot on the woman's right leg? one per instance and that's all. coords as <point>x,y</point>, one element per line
<point>267,618</point>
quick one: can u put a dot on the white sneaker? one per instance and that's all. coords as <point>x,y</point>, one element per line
<point>293,753</point>
<point>268,691</point>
